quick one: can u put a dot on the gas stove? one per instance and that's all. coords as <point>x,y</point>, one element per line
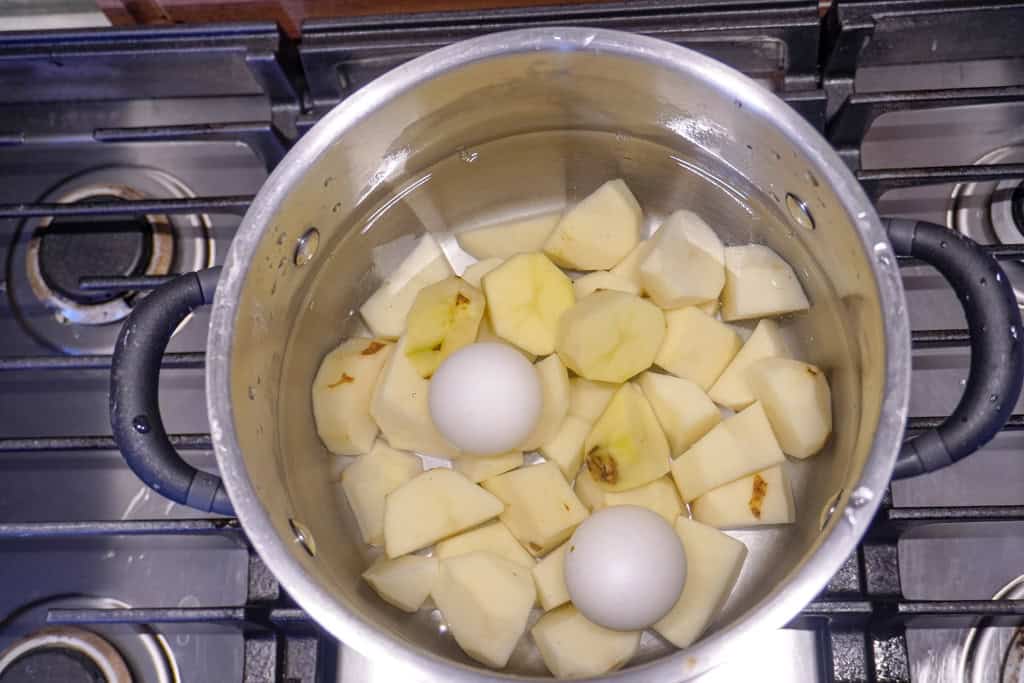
<point>130,155</point>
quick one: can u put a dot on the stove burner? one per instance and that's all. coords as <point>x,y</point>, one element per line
<point>72,248</point>
<point>995,653</point>
<point>67,655</point>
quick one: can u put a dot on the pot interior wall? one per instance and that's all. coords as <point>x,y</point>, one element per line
<point>521,132</point>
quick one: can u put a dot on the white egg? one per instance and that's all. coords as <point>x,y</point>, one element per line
<point>485,398</point>
<point>625,568</point>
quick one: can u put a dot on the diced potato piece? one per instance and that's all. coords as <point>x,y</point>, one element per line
<point>659,496</point>
<point>683,410</point>
<point>599,232</point>
<point>732,389</point>
<point>493,537</point>
<point>797,401</point>
<point>610,336</point>
<point>572,646</point>
<point>758,283</point>
<point>738,446</point>
<point>386,309</point>
<point>526,297</point>
<point>588,399</point>
<point>554,388</point>
<point>627,447</point>
<point>487,334</point>
<point>686,263</point>
<point>709,307</point>
<point>485,600</point>
<point>401,409</point>
<point>341,395</point>
<point>587,490</point>
<point>368,481</point>
<point>404,582</point>
<point>697,347</point>
<point>444,318</point>
<point>502,240</point>
<point>478,468</point>
<point>713,564</point>
<point>764,497</point>
<point>541,510</point>
<point>474,274</point>
<point>434,505</point>
<point>549,577</point>
<point>603,279</point>
<point>629,267</point>
<point>565,449</point>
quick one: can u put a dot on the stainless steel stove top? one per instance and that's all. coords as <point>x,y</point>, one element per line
<point>161,147</point>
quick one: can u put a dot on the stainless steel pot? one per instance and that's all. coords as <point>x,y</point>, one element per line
<point>544,116</point>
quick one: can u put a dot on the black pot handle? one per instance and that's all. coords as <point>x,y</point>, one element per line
<point>134,405</point>
<point>997,360</point>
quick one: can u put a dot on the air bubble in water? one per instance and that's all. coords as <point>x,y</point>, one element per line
<point>468,156</point>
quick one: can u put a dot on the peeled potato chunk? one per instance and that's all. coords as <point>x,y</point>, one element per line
<point>764,497</point>
<point>434,505</point>
<point>629,267</point>
<point>659,496</point>
<point>565,448</point>
<point>573,647</point>
<point>603,279</point>
<point>554,389</point>
<point>713,564</point>
<point>369,480</point>
<point>598,232</point>
<point>508,238</point>
<point>487,334</point>
<point>341,395</point>
<point>683,410</point>
<point>588,399</point>
<point>404,582</point>
<point>759,283</point>
<point>526,297</point>
<point>685,264</point>
<point>739,446</point>
<point>732,389</point>
<point>626,447</point>
<point>386,309</point>
<point>696,347</point>
<point>797,401</point>
<point>485,600</point>
<point>478,468</point>
<point>549,577</point>
<point>493,537</point>
<point>610,336</point>
<point>444,318</point>
<point>541,510</point>
<point>474,274</point>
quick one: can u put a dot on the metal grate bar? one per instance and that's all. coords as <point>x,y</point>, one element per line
<point>877,182</point>
<point>937,339</point>
<point>191,442</point>
<point>248,617</point>
<point>96,362</point>
<point>234,204</point>
<point>134,527</point>
<point>919,424</point>
<point>121,283</point>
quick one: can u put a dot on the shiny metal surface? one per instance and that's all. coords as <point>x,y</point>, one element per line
<point>443,140</point>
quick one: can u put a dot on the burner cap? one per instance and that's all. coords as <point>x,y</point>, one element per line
<point>64,654</point>
<point>71,248</point>
<point>56,665</point>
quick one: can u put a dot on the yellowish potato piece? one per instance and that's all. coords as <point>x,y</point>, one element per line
<point>573,647</point>
<point>626,447</point>
<point>478,468</point>
<point>386,309</point>
<point>341,394</point>
<point>434,505</point>
<point>696,347</point>
<point>549,577</point>
<point>405,581</point>
<point>629,267</point>
<point>798,402</point>
<point>683,410</point>
<point>486,601</point>
<point>686,262</point>
<point>599,232</point>
<point>526,297</point>
<point>508,238</point>
<point>541,510</point>
<point>659,496</point>
<point>474,274</point>
<point>764,497</point>
<point>368,481</point>
<point>588,399</point>
<point>554,389</point>
<point>732,388</point>
<point>736,447</point>
<point>713,564</point>
<point>610,336</point>
<point>565,449</point>
<point>759,283</point>
<point>444,317</point>
<point>493,537</point>
<point>603,279</point>
<point>487,334</point>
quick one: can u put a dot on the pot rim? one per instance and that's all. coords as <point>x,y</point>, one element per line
<point>859,504</point>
